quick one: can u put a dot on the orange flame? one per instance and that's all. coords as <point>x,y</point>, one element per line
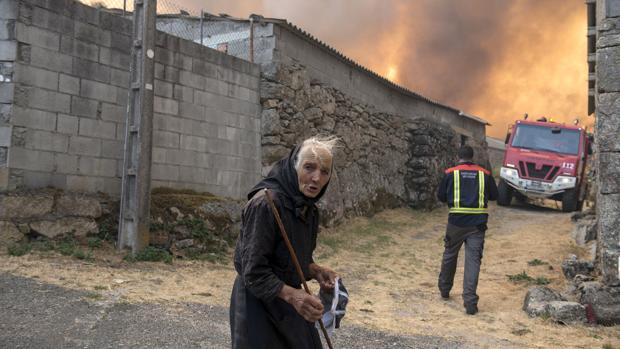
<point>392,72</point>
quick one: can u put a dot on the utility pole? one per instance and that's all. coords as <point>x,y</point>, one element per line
<point>133,225</point>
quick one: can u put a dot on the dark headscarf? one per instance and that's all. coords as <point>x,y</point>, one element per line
<point>283,179</point>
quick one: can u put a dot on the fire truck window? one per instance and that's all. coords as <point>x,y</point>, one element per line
<point>544,139</point>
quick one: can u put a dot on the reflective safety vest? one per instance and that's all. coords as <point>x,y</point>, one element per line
<point>467,195</point>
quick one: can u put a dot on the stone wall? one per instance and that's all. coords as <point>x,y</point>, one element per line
<point>383,161</point>
<point>607,130</point>
<point>496,150</point>
<point>63,112</point>
<point>49,213</point>
<point>187,224</point>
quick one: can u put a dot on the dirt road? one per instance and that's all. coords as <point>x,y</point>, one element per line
<point>389,264</point>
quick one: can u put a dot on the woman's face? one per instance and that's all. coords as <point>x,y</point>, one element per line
<point>314,172</point>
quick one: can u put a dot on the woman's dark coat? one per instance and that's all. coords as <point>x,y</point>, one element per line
<point>258,318</point>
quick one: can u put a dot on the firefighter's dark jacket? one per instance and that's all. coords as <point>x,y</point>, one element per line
<point>467,189</point>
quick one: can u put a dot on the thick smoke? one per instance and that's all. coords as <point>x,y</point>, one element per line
<point>496,59</point>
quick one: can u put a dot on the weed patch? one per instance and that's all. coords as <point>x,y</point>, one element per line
<point>19,249</point>
<point>150,254</point>
<point>541,280</point>
<point>535,262</point>
<point>66,246</point>
<point>524,278</point>
<point>80,254</point>
<point>520,278</point>
<point>95,242</point>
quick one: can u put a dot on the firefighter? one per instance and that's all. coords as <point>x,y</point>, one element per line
<point>466,188</point>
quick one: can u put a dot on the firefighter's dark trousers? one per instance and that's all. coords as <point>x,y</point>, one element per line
<point>474,244</point>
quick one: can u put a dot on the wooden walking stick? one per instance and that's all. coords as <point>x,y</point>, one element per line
<point>294,258</point>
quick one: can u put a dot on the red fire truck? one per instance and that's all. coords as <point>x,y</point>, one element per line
<point>544,159</point>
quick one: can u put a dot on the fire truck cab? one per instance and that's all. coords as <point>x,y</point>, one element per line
<point>544,159</point>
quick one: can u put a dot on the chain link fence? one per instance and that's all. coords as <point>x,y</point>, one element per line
<point>232,36</point>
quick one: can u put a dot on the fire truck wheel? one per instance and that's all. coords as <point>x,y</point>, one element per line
<point>521,199</point>
<point>504,193</point>
<point>570,200</point>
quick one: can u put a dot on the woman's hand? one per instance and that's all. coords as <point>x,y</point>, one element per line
<point>308,306</point>
<point>325,276</point>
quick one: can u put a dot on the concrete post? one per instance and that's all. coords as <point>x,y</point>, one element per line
<point>136,188</point>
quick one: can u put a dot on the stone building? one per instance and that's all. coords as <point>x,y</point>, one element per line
<point>604,101</point>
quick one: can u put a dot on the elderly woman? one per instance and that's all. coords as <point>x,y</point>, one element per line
<point>268,308</point>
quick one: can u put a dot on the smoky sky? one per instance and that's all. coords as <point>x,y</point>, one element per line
<point>496,59</point>
<point>453,45</point>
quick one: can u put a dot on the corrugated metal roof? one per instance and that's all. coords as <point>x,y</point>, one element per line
<point>495,143</point>
<point>475,118</point>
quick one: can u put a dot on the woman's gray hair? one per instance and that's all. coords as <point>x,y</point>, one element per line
<point>311,144</point>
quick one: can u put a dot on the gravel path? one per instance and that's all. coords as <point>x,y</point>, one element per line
<point>38,315</point>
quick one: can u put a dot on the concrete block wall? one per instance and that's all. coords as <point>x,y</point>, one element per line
<point>69,98</point>
<point>206,127</point>
<point>8,52</point>
<point>64,109</point>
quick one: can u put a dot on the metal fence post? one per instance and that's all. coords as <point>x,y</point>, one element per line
<point>134,214</point>
<point>202,17</point>
<point>252,39</point>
